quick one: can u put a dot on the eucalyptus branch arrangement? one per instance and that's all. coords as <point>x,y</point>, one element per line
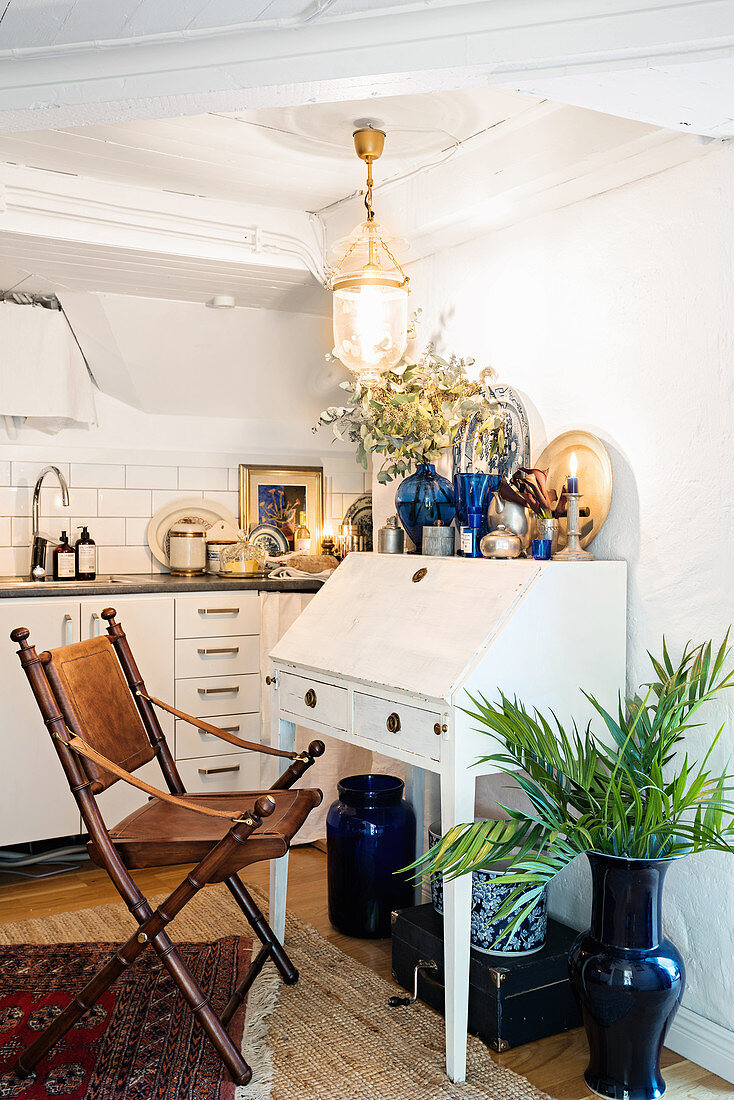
<point>628,795</point>
<point>414,412</point>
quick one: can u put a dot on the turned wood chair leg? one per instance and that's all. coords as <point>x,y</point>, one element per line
<point>262,930</point>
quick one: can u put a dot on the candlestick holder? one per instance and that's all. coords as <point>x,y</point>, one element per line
<point>572,551</point>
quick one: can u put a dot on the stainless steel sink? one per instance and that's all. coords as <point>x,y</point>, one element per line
<point>21,583</point>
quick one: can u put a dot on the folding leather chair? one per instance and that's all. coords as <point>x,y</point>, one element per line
<point>101,718</point>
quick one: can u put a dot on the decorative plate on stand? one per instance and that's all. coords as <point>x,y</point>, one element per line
<point>269,538</point>
<point>185,510</point>
<point>359,513</point>
<point>516,451</point>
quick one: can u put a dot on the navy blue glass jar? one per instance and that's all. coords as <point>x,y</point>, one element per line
<point>628,977</point>
<point>423,498</point>
<point>370,834</point>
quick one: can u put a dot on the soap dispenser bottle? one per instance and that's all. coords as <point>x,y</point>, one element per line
<point>64,560</point>
<point>86,557</point>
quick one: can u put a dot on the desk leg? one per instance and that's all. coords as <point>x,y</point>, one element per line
<point>415,794</point>
<point>457,806</point>
<point>286,739</point>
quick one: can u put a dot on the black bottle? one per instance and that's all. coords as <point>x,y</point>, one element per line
<point>64,560</point>
<point>86,557</point>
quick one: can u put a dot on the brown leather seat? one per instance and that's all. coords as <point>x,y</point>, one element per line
<point>159,834</point>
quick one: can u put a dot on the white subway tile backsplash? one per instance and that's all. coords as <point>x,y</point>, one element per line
<point>104,530</point>
<point>81,501</point>
<point>26,473</point>
<point>136,531</point>
<point>123,559</point>
<point>233,476</point>
<point>124,502</point>
<point>151,477</point>
<point>97,475</point>
<point>15,501</point>
<point>14,562</point>
<point>5,473</point>
<point>202,477</point>
<point>163,496</point>
<point>5,539</point>
<point>49,526</point>
<point>227,500</point>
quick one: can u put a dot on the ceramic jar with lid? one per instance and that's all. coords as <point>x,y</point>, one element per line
<point>501,543</point>
<point>187,549</point>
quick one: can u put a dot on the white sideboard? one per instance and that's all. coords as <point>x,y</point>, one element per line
<point>387,654</point>
<point>199,651</point>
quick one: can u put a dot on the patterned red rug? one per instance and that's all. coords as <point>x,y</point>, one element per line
<point>138,1042</point>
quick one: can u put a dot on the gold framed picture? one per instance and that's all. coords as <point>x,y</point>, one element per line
<point>278,494</point>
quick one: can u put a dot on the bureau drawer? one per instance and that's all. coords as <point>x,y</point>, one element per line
<point>239,771</point>
<point>191,742</point>
<point>217,614</point>
<point>311,699</point>
<point>206,695</point>
<point>394,723</point>
<point>219,656</point>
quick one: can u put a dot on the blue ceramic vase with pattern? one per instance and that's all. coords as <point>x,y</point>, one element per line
<point>629,978</point>
<point>422,499</point>
<point>370,834</point>
<point>487,933</point>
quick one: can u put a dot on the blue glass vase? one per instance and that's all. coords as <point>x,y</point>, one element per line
<point>370,834</point>
<point>628,977</point>
<point>472,492</point>
<point>423,498</point>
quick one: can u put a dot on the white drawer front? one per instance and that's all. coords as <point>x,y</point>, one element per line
<point>217,614</point>
<point>206,695</point>
<point>394,723</point>
<point>191,742</point>
<point>221,656</point>
<point>209,774</point>
<point>311,700</point>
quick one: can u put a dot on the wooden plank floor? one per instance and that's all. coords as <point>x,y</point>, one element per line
<point>555,1064</point>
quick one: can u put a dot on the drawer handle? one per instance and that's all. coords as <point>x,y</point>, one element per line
<point>219,610</point>
<point>213,737</point>
<point>219,771</point>
<point>393,723</point>
<point>224,649</point>
<point>219,691</point>
<point>310,698</point>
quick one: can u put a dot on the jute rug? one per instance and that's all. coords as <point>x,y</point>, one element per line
<point>330,1037</point>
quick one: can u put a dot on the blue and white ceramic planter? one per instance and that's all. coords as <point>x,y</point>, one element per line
<point>487,898</point>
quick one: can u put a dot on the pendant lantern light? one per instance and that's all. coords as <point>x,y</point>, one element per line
<point>370,304</point>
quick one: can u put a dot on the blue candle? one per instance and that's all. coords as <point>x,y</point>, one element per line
<point>572,483</point>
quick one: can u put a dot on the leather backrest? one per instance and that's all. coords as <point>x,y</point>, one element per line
<point>97,704</point>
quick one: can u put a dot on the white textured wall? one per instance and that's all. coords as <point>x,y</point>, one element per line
<point>617,315</point>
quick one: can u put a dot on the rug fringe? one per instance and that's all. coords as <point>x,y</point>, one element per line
<point>256,1050</point>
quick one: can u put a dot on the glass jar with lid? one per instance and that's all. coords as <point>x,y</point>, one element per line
<point>241,557</point>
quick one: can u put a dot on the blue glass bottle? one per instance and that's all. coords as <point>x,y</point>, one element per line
<point>370,834</point>
<point>472,492</point>
<point>423,498</point>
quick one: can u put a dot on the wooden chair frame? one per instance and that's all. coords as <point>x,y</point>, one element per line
<point>221,863</point>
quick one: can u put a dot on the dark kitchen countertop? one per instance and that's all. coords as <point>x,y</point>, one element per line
<point>119,584</point>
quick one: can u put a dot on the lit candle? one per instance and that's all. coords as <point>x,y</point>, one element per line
<point>572,485</point>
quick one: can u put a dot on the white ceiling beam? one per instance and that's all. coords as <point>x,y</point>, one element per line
<point>383,51</point>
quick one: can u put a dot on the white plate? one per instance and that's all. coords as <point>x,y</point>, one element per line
<point>192,509</point>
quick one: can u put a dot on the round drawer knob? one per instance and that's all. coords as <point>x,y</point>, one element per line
<point>310,698</point>
<point>438,729</point>
<point>393,723</point>
<point>269,680</point>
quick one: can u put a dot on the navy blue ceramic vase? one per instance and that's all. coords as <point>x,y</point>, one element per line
<point>370,834</point>
<point>423,498</point>
<point>628,977</point>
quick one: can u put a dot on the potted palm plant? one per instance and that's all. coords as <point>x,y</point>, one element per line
<point>632,805</point>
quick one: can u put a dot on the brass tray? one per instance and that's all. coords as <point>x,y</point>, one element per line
<point>594,474</point>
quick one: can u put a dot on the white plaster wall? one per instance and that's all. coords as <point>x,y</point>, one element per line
<point>617,315</point>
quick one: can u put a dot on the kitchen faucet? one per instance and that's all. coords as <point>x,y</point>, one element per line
<point>39,545</point>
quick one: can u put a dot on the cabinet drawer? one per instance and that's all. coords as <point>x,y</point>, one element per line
<point>191,742</point>
<point>220,656</point>
<point>217,614</point>
<point>238,771</point>
<point>394,723</point>
<point>206,695</point>
<point>310,699</point>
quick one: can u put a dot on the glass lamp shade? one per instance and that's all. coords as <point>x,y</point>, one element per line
<point>370,307</point>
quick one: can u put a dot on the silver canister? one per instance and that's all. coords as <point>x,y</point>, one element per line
<point>439,541</point>
<point>391,537</point>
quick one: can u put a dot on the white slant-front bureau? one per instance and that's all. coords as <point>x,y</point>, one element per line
<point>387,654</point>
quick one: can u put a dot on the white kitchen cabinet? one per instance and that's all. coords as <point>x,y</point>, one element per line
<point>35,801</point>
<point>148,624</point>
